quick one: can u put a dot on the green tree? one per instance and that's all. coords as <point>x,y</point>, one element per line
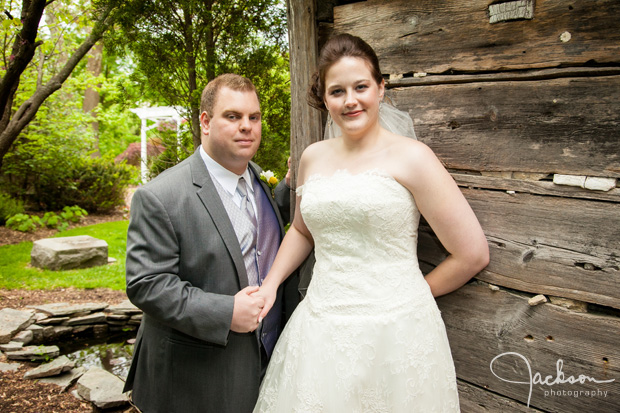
<point>180,45</point>
<point>21,40</point>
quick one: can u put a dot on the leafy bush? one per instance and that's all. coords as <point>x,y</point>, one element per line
<point>27,223</point>
<point>73,213</point>
<point>23,222</point>
<point>94,184</point>
<point>61,222</point>
<point>50,220</point>
<point>9,206</point>
<point>99,185</point>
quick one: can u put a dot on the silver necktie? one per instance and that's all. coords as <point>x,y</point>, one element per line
<point>246,204</point>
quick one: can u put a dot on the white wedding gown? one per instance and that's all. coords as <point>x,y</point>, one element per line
<point>368,337</point>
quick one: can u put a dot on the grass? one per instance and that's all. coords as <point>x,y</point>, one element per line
<point>16,273</point>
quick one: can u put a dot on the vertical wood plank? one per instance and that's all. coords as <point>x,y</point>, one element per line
<point>305,121</point>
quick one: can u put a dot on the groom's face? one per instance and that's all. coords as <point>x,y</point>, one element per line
<point>232,135</point>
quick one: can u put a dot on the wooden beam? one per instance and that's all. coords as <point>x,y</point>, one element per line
<point>534,187</point>
<point>306,126</point>
<point>521,75</point>
<point>565,126</point>
<point>544,245</point>
<point>438,37</point>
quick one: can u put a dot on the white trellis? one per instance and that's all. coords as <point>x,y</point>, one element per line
<point>155,114</point>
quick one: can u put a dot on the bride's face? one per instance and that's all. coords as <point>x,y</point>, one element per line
<point>352,95</point>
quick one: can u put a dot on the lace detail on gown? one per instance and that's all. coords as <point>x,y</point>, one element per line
<point>368,337</point>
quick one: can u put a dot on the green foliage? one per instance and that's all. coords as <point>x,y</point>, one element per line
<point>51,220</point>
<point>16,273</point>
<point>94,184</point>
<point>27,223</point>
<point>73,214</point>
<point>61,222</point>
<point>274,91</point>
<point>53,182</point>
<point>177,149</point>
<point>177,55</point>
<point>49,148</point>
<point>120,91</point>
<point>23,222</point>
<point>9,206</point>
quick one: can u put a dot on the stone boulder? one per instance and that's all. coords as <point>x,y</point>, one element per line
<point>58,366</point>
<point>34,353</point>
<point>101,388</point>
<point>13,321</point>
<point>69,253</point>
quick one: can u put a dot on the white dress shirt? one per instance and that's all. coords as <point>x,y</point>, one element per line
<point>229,180</point>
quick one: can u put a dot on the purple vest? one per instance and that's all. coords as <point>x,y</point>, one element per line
<point>269,238</point>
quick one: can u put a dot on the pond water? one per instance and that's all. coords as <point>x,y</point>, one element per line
<point>113,355</point>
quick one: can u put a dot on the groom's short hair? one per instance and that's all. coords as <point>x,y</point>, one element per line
<point>229,80</point>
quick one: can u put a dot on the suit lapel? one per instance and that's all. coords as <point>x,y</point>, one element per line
<point>210,198</point>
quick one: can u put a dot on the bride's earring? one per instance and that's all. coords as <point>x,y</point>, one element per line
<point>331,127</point>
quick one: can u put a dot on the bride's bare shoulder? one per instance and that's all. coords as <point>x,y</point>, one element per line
<point>411,157</point>
<point>408,147</point>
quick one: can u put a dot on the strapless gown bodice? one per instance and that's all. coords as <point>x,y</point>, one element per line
<point>368,337</point>
<point>365,232</point>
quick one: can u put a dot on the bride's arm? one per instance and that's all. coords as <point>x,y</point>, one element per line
<point>446,210</point>
<point>295,248</point>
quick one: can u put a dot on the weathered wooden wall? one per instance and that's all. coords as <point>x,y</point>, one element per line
<point>303,43</point>
<point>509,107</point>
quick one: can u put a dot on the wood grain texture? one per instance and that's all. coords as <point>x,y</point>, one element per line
<point>439,36</point>
<point>545,245</point>
<point>518,75</point>
<point>534,187</point>
<point>306,126</point>
<point>473,399</point>
<point>566,126</point>
<point>483,324</point>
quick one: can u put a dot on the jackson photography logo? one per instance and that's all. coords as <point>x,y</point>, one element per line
<point>550,381</point>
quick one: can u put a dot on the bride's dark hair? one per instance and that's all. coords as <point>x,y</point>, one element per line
<point>337,47</point>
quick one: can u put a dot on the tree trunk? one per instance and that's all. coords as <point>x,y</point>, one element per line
<point>91,95</point>
<point>21,55</point>
<point>190,57</point>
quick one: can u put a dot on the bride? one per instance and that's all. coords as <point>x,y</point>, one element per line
<point>368,337</point>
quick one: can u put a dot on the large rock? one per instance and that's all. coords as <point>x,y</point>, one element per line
<point>11,346</point>
<point>126,307</point>
<point>24,336</point>
<point>58,366</point>
<point>34,353</point>
<point>9,366</point>
<point>94,318</point>
<point>12,321</point>
<point>66,309</point>
<point>68,253</point>
<point>65,380</point>
<point>103,389</point>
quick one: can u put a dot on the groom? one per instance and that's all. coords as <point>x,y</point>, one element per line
<point>202,236</point>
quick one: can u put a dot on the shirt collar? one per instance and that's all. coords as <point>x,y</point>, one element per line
<point>226,178</point>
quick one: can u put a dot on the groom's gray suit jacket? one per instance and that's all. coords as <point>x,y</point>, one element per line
<point>184,266</point>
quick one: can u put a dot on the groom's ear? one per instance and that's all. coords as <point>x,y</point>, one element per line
<point>205,122</point>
